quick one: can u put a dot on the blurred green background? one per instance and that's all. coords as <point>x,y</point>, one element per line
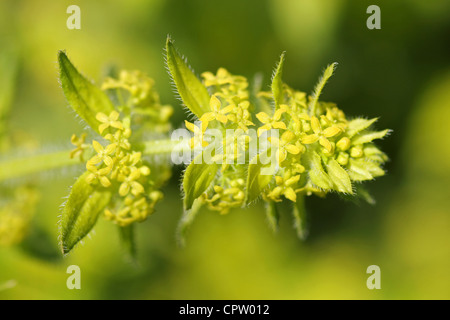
<point>400,73</point>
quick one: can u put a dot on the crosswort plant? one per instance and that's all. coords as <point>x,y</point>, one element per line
<point>311,145</point>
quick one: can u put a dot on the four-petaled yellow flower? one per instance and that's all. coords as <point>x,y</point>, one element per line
<point>100,175</point>
<point>129,183</point>
<point>198,133</point>
<point>216,112</point>
<point>103,154</point>
<point>80,146</point>
<point>108,121</point>
<point>271,122</point>
<point>321,135</point>
<point>284,145</point>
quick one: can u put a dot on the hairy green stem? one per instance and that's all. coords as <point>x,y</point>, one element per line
<point>19,167</point>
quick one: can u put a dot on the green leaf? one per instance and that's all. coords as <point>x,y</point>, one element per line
<point>273,217</point>
<point>320,85</point>
<point>197,178</point>
<point>193,93</point>
<point>83,96</point>
<point>300,217</point>
<point>369,136</point>
<point>277,82</point>
<point>317,174</point>
<point>186,221</point>
<point>256,182</point>
<point>360,170</point>
<point>128,241</point>
<point>358,125</point>
<point>80,212</point>
<point>339,177</point>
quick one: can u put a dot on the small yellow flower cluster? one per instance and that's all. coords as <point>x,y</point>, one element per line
<point>230,109</point>
<point>116,165</point>
<point>230,99</point>
<point>15,215</point>
<point>143,100</point>
<point>318,151</point>
<point>226,196</point>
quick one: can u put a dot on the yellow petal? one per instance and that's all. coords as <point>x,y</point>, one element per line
<point>290,194</point>
<point>331,131</point>
<point>102,117</point>
<point>263,117</point>
<point>114,115</point>
<point>207,117</point>
<point>315,124</point>
<point>214,103</point>
<point>292,149</point>
<point>124,189</point>
<point>287,136</point>
<point>279,180</point>
<point>105,182</point>
<point>227,109</point>
<point>97,146</point>
<point>281,153</point>
<point>103,127</point>
<point>326,144</point>
<point>190,126</point>
<point>310,139</point>
<point>263,128</point>
<point>222,118</point>
<point>279,125</point>
<point>277,115</point>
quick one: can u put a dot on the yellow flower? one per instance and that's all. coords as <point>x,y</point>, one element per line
<point>99,175</point>
<point>321,135</point>
<point>108,121</point>
<point>80,146</point>
<point>240,115</point>
<point>129,183</point>
<point>103,154</point>
<point>269,122</point>
<point>198,133</point>
<point>120,138</point>
<point>216,112</point>
<point>284,187</point>
<point>284,145</point>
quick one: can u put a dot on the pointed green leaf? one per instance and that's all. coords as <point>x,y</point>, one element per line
<point>317,174</point>
<point>273,217</point>
<point>339,177</point>
<point>186,221</point>
<point>300,217</point>
<point>193,93</point>
<point>80,212</point>
<point>277,83</point>
<point>83,96</point>
<point>320,85</point>
<point>358,125</point>
<point>196,180</point>
<point>256,182</point>
<point>366,137</point>
<point>364,169</point>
